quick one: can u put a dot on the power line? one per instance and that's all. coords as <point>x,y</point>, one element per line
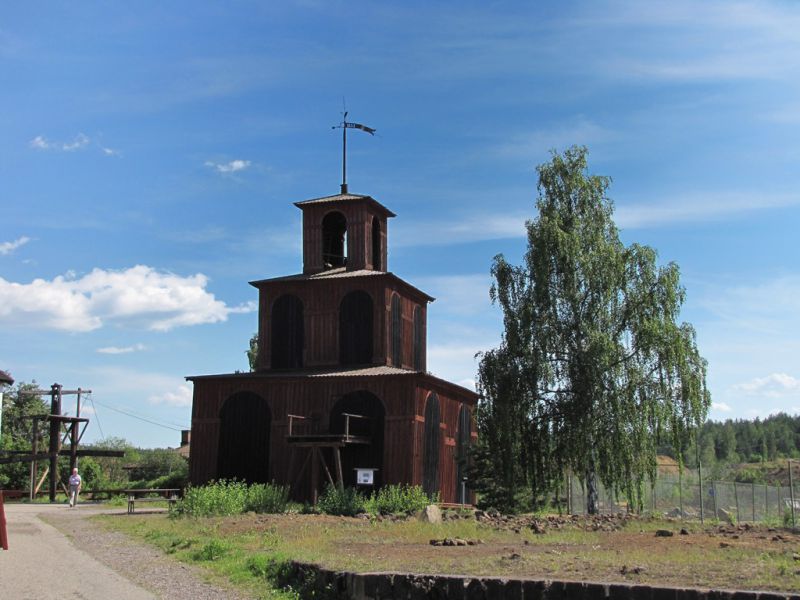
<point>135,416</point>
<point>91,399</point>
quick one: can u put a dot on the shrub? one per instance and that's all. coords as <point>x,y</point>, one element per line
<point>347,502</point>
<point>267,498</point>
<point>393,499</point>
<point>219,498</point>
<point>225,498</point>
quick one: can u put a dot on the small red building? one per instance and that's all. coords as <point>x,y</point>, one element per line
<point>341,381</point>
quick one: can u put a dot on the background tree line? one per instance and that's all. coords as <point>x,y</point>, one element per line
<point>139,468</point>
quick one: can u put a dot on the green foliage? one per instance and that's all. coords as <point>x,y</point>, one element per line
<point>593,370</point>
<point>252,352</point>
<point>347,502</point>
<point>395,499</point>
<point>17,430</point>
<point>267,498</point>
<point>225,498</point>
<point>390,499</point>
<point>214,549</point>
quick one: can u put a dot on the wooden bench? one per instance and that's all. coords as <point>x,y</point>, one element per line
<point>133,498</point>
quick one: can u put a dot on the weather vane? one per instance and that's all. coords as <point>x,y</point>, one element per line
<point>344,126</point>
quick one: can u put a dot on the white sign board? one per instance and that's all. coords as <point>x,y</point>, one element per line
<point>365,476</point>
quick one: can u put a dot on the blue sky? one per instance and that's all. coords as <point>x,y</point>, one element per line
<point>150,154</point>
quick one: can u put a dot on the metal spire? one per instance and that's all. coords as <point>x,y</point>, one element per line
<point>344,126</point>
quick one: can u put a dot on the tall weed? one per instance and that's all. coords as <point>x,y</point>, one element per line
<point>225,498</point>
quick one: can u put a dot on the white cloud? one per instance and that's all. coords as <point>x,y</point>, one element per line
<point>771,307</point>
<point>80,142</point>
<point>182,396</point>
<point>121,349</point>
<point>111,151</point>
<point>40,143</point>
<point>696,207</point>
<point>477,227</point>
<point>229,167</point>
<point>9,247</point>
<point>774,385</point>
<point>529,145</point>
<point>139,296</point>
<point>720,406</point>
<point>465,295</point>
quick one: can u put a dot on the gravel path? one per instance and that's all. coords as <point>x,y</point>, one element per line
<point>42,563</point>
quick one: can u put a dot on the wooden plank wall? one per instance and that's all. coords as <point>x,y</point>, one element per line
<point>404,402</point>
<point>321,300</point>
<point>359,234</point>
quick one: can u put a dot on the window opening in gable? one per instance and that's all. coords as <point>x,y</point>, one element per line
<point>397,331</point>
<point>287,333</point>
<point>334,240</point>
<point>355,329</point>
<point>377,255</point>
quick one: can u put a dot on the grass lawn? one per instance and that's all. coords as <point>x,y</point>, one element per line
<point>242,549</point>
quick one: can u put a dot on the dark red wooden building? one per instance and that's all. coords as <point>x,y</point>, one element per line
<point>341,381</point>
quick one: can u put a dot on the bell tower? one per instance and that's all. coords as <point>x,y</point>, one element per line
<point>346,231</point>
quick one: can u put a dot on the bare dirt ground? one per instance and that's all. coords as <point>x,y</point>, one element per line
<point>57,552</point>
<point>609,549</point>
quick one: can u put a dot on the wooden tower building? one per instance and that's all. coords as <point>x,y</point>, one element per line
<point>341,383</point>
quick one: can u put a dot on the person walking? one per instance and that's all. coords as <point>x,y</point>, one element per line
<point>75,483</point>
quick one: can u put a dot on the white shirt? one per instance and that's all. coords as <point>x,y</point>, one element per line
<point>75,479</point>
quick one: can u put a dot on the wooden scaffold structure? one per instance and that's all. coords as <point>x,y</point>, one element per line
<point>60,429</point>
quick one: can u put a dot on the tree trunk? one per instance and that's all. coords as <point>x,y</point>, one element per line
<point>592,507</point>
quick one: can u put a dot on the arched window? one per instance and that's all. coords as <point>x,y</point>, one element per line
<point>430,446</point>
<point>419,358</point>
<point>355,329</point>
<point>397,331</point>
<point>287,333</point>
<point>360,456</point>
<point>462,449</point>
<point>243,451</point>
<point>334,240</point>
<point>377,255</point>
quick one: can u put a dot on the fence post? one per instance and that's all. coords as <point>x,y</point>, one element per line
<point>700,479</point>
<point>791,491</point>
<point>736,497</point>
<point>653,489</point>
<point>569,493</point>
<point>680,490</point>
<point>714,495</point>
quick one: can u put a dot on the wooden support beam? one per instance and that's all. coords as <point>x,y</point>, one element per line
<point>41,481</point>
<point>337,458</point>
<point>325,466</point>
<point>28,457</point>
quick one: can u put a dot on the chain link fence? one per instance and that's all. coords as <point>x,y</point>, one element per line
<point>685,497</point>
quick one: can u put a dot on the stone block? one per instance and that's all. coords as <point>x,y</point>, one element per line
<point>535,590</point>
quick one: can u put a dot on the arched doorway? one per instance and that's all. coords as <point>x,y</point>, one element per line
<point>430,445</point>
<point>244,428</point>
<point>287,333</point>
<point>334,240</point>
<point>463,439</point>
<point>355,329</point>
<point>359,456</point>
